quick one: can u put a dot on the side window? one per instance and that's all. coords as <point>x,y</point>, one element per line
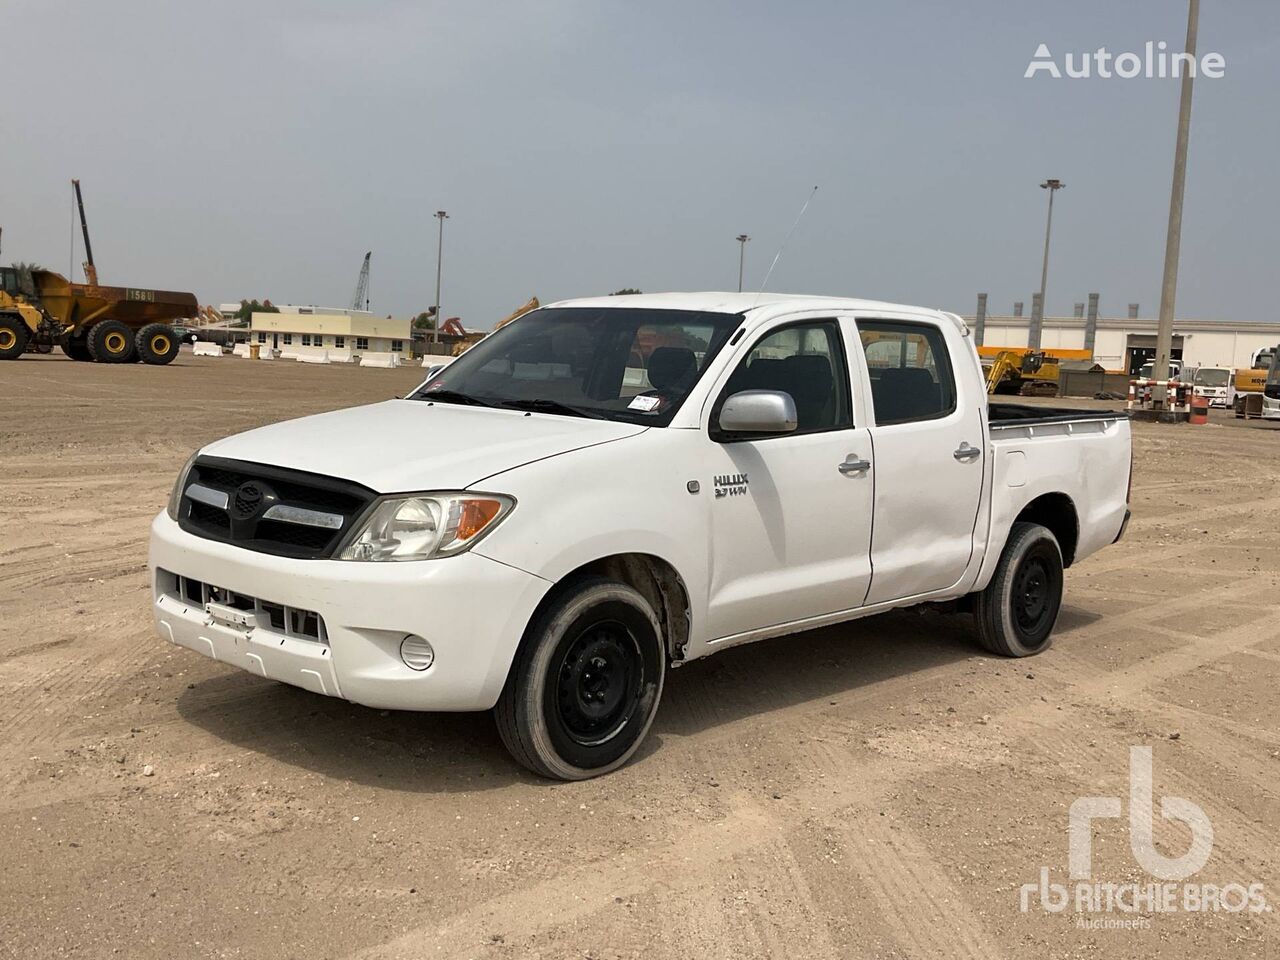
<point>806,361</point>
<point>910,371</point>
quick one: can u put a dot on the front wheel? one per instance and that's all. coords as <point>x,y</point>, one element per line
<point>585,684</point>
<point>1016,612</point>
<point>14,334</point>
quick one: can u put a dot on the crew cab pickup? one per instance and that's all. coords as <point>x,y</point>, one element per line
<point>607,488</point>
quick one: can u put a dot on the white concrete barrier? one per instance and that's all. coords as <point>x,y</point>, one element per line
<point>313,356</point>
<point>341,356</point>
<point>379,359</point>
<point>203,349</point>
<point>240,350</point>
<point>437,360</point>
<point>266,353</point>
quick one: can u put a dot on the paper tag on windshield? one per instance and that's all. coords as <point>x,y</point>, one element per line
<point>644,404</point>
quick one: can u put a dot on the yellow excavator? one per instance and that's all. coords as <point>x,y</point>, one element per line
<point>1027,373</point>
<point>469,340</point>
<point>1249,383</point>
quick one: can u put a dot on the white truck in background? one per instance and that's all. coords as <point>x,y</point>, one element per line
<point>605,488</point>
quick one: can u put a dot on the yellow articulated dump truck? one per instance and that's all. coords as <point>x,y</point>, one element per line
<point>40,308</point>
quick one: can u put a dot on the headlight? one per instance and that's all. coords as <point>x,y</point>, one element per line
<point>175,497</point>
<point>426,525</point>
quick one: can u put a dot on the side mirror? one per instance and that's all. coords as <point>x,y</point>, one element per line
<point>758,411</point>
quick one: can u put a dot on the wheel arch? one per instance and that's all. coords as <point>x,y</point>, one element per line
<point>653,577</point>
<point>1057,513</point>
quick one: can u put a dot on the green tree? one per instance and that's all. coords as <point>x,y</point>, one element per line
<point>625,291</point>
<point>248,307</point>
<point>25,282</point>
<point>426,320</point>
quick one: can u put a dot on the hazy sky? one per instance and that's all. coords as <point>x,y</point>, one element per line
<point>257,149</point>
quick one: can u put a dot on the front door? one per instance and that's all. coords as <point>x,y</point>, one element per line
<point>928,451</point>
<point>791,513</point>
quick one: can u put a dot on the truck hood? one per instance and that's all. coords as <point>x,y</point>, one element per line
<point>405,445</point>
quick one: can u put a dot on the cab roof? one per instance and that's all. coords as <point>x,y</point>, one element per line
<point>744,304</point>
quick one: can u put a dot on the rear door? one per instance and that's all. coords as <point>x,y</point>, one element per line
<point>928,452</point>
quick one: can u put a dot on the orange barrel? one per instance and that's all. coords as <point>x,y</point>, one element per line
<point>1199,409</point>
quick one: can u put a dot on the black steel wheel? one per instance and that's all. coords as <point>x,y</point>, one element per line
<point>1017,610</point>
<point>599,683</point>
<point>586,682</point>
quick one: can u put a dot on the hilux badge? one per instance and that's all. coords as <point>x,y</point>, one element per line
<point>731,485</point>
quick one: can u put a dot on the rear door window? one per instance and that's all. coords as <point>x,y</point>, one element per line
<point>909,369</point>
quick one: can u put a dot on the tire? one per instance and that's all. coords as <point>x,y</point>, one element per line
<point>14,334</point>
<point>77,348</point>
<point>157,344</point>
<point>585,684</point>
<point>1016,612</point>
<point>111,342</point>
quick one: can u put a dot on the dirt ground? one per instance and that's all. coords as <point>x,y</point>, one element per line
<point>880,789</point>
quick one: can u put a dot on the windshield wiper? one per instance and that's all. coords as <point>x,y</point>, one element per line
<point>453,396</point>
<point>551,406</point>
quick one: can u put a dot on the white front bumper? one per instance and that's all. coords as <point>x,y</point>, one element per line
<point>1270,409</point>
<point>471,609</point>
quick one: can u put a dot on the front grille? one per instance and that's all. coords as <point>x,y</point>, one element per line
<point>232,502</point>
<point>290,621</point>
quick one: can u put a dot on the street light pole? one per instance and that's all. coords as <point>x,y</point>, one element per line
<point>742,239</point>
<point>442,217</point>
<point>1037,319</point>
<point>1173,239</point>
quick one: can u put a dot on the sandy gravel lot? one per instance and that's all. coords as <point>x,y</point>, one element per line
<point>881,789</point>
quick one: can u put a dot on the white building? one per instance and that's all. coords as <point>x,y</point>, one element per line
<point>345,334</point>
<point>1125,344</point>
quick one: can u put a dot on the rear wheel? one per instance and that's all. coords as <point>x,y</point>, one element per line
<point>77,348</point>
<point>585,684</point>
<point>111,342</point>
<point>157,343</point>
<point>14,334</point>
<point>1016,612</point>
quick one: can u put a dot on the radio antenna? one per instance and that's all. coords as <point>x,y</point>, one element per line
<point>785,240</point>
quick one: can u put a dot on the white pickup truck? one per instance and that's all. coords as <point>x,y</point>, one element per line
<point>606,488</point>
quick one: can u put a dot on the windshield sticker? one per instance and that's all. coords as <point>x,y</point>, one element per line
<point>644,404</point>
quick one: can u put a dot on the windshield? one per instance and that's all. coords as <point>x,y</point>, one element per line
<point>618,363</point>
<point>1273,375</point>
<point>1212,377</point>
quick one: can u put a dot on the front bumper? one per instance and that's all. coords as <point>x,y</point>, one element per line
<point>472,610</point>
<point>1270,408</point>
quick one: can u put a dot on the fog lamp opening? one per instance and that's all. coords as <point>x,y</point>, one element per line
<point>416,653</point>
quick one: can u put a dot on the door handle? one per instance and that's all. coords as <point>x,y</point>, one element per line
<point>966,452</point>
<point>854,466</point>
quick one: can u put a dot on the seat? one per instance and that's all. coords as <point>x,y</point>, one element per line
<point>905,393</point>
<point>672,370</point>
<point>808,379</point>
